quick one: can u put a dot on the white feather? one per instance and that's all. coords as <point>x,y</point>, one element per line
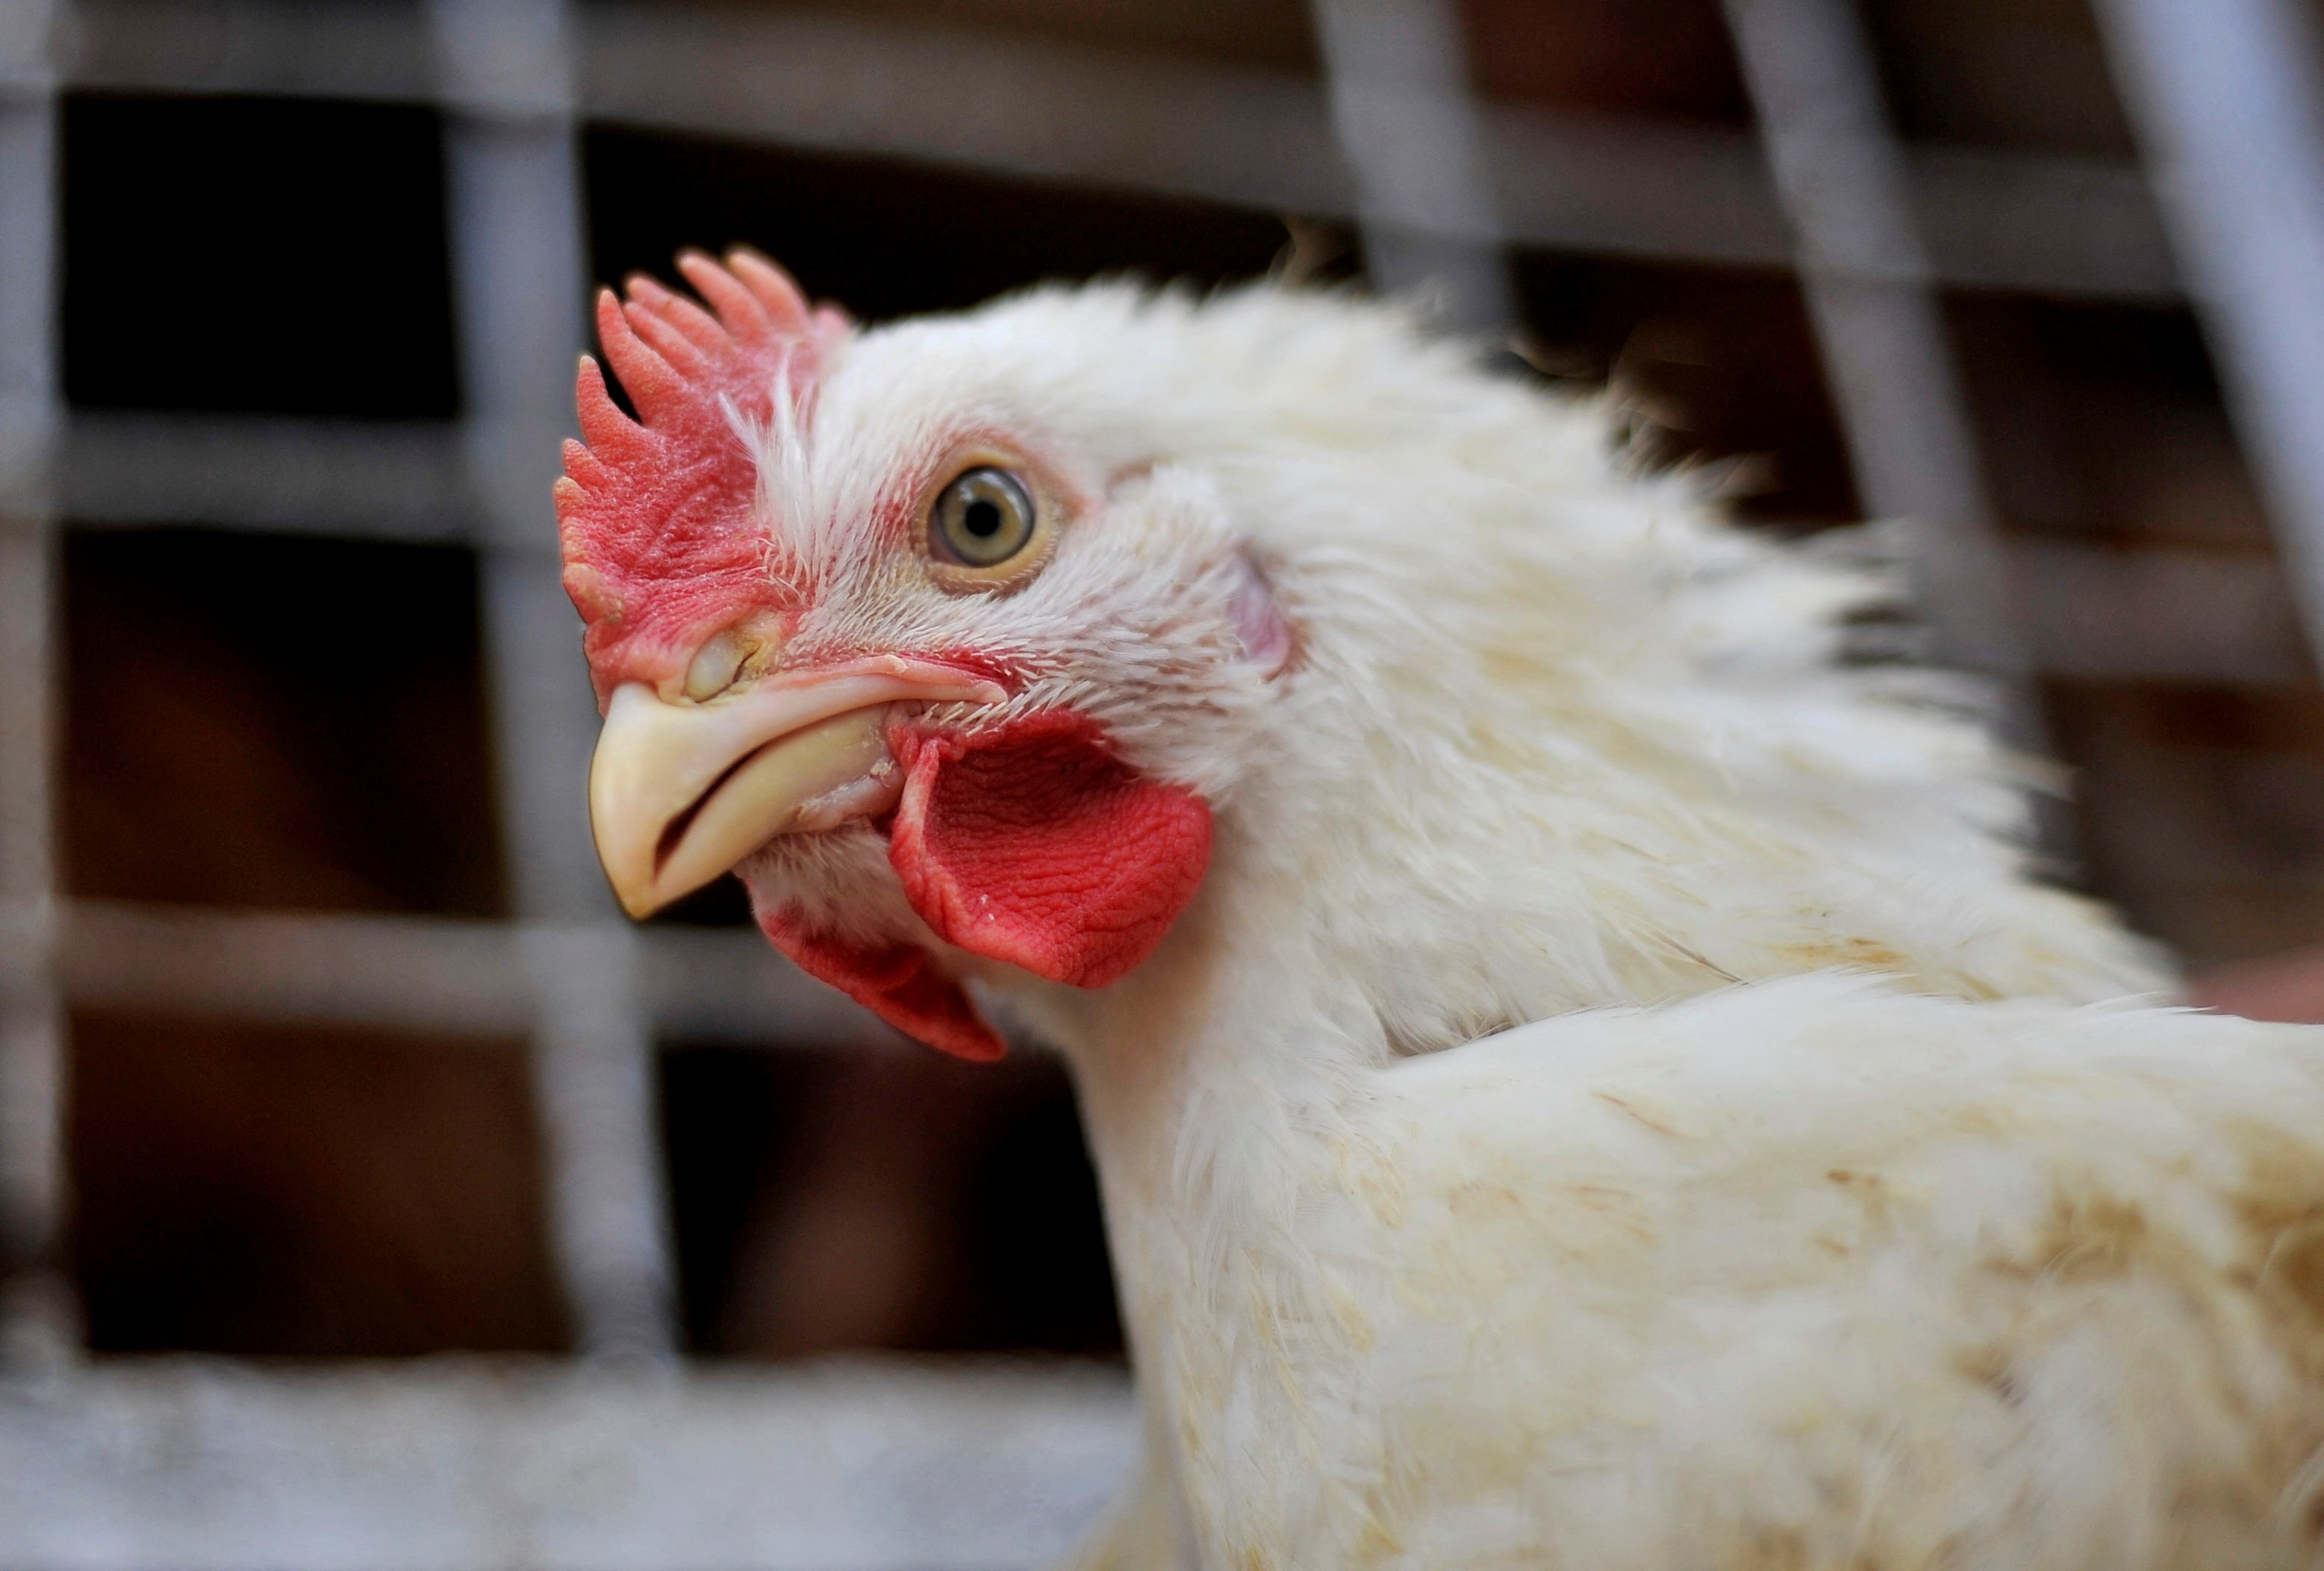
<point>1825,1215</point>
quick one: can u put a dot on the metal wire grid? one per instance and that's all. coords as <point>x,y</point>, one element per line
<point>2223,91</point>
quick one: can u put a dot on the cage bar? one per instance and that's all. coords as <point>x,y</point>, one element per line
<point>461,1464</point>
<point>434,975</point>
<point>1397,75</point>
<point>516,227</point>
<point>1867,283</point>
<point>37,1323</point>
<point>2227,100</point>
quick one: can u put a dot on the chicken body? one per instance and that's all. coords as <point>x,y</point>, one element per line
<point>1812,1273</point>
<point>1608,1095</point>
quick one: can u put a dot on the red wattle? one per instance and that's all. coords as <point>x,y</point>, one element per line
<point>1035,846</point>
<point>897,984</point>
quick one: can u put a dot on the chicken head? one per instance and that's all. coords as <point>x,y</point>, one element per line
<point>948,683</point>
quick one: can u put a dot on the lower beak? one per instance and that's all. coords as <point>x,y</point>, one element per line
<point>678,793</point>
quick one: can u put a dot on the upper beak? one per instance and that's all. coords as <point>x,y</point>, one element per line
<point>678,793</point>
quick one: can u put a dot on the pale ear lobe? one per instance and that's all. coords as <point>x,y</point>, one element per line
<point>1259,622</point>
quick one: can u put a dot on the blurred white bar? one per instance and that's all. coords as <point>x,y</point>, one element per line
<point>36,1313</point>
<point>1999,220</point>
<point>428,974</point>
<point>973,99</point>
<point>1867,283</point>
<point>2148,614</point>
<point>339,49</point>
<point>594,1082</point>
<point>2226,97</point>
<point>1398,76</point>
<point>518,269</point>
<point>471,1465</point>
<point>704,984</point>
<point>364,479</point>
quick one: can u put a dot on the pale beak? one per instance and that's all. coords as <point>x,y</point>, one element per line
<point>678,793</point>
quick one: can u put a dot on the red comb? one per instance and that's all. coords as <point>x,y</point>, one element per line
<point>655,514</point>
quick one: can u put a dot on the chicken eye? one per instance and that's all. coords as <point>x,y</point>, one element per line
<point>982,519</point>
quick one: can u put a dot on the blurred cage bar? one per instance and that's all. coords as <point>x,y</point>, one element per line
<point>629,1456</point>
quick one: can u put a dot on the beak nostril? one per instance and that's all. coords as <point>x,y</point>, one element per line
<point>731,655</point>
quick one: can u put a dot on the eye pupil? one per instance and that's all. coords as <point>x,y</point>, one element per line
<point>983,519</point>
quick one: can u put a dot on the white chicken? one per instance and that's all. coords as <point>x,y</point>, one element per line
<point>1578,1074</point>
